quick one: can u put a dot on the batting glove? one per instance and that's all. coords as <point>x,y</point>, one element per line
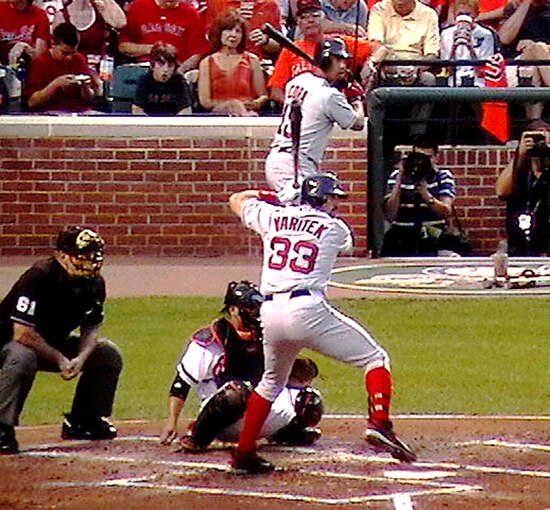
<point>354,92</point>
<point>268,196</point>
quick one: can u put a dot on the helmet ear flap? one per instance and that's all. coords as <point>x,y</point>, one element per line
<point>322,55</point>
<point>334,47</point>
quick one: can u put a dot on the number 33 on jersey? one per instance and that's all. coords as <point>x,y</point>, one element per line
<point>300,244</point>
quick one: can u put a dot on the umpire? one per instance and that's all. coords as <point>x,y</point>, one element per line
<point>37,319</point>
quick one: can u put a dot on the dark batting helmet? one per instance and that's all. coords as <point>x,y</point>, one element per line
<point>333,47</point>
<point>83,248</point>
<point>317,189</point>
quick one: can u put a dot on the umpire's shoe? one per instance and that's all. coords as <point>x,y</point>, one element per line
<point>8,443</point>
<point>249,464</point>
<point>381,436</point>
<point>94,429</point>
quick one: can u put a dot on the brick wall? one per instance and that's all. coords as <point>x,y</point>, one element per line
<point>161,188</point>
<point>481,212</point>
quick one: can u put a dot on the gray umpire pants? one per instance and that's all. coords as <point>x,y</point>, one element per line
<point>95,390</point>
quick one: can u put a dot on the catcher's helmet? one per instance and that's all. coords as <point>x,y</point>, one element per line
<point>243,294</point>
<point>309,406</point>
<point>334,47</point>
<point>84,248</point>
<point>317,189</point>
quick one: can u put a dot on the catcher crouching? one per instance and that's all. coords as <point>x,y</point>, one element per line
<point>223,362</point>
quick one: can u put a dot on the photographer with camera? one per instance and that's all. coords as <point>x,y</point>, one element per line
<point>418,204</point>
<point>524,185</point>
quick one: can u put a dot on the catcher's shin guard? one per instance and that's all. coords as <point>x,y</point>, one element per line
<point>220,411</point>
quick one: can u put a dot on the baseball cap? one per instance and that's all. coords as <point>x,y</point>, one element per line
<point>307,5</point>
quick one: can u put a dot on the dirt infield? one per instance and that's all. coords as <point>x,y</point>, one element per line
<point>464,463</point>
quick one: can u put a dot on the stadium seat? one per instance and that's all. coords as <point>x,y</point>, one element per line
<point>13,87</point>
<point>123,86</point>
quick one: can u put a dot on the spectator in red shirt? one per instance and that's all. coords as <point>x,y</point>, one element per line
<point>24,29</point>
<point>92,18</point>
<point>59,79</point>
<point>170,21</point>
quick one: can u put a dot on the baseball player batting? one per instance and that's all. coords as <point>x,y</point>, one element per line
<point>300,246</point>
<point>322,105</point>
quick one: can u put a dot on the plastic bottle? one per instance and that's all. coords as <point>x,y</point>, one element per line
<point>500,260</point>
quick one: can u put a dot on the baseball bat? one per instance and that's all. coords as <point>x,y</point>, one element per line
<point>295,128</point>
<point>285,42</point>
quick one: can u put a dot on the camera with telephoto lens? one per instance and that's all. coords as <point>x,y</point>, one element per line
<point>541,146</point>
<point>417,167</point>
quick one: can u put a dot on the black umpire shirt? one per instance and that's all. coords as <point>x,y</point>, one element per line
<point>47,298</point>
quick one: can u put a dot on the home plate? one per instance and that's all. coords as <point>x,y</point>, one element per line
<point>418,475</point>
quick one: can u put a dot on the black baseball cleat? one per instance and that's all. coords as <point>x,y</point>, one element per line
<point>93,429</point>
<point>250,464</point>
<point>381,436</point>
<point>8,443</point>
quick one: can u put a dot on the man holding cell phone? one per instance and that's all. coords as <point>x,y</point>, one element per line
<point>525,186</point>
<point>60,79</point>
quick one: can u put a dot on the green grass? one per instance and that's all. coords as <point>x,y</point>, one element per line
<point>473,356</point>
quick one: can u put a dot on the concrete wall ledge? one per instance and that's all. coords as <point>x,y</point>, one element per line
<point>124,126</point>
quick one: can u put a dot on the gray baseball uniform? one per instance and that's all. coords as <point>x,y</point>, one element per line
<point>300,245</point>
<point>322,106</point>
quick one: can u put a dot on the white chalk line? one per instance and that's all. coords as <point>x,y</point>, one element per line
<point>337,416</point>
<point>135,483</point>
<point>428,487</point>
<point>506,444</point>
<point>339,456</point>
<point>187,468</point>
<point>347,457</point>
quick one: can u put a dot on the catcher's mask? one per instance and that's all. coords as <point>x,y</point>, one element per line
<point>246,296</point>
<point>81,251</point>
<point>318,188</point>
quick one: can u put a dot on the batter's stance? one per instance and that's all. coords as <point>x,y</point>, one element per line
<point>322,106</point>
<point>300,245</point>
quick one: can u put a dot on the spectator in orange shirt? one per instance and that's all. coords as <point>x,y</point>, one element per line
<point>59,79</point>
<point>170,21</point>
<point>24,30</point>
<point>310,17</point>
<point>231,80</point>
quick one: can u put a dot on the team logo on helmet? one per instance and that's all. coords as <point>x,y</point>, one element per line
<point>317,189</point>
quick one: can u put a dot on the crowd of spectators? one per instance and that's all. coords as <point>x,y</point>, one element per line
<point>247,77</point>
